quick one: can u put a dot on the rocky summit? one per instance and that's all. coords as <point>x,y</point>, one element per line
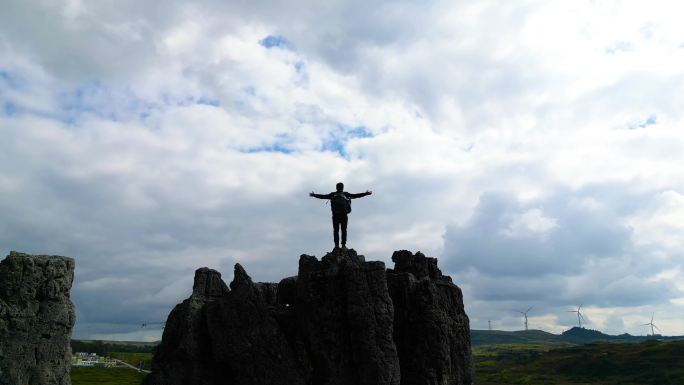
<point>340,321</point>
<point>36,318</point>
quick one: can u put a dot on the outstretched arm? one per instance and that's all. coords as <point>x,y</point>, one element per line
<point>360,195</point>
<point>319,196</point>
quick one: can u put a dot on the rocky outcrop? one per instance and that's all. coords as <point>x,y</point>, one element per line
<point>431,329</point>
<point>344,318</point>
<point>224,336</point>
<point>335,323</point>
<point>36,318</point>
<point>186,342</point>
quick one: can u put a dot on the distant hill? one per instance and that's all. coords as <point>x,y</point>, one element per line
<point>103,348</point>
<point>117,342</point>
<point>582,336</point>
<point>494,337</point>
<point>574,336</point>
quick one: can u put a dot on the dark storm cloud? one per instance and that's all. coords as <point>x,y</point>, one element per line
<point>491,244</point>
<point>574,249</point>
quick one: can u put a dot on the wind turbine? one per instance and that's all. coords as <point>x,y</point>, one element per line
<point>524,313</point>
<point>652,325</point>
<point>580,317</point>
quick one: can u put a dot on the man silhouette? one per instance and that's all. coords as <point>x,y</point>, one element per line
<point>340,204</point>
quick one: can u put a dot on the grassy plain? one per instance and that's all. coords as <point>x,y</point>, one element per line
<point>645,363</point>
<point>105,376</point>
<point>113,376</point>
<point>134,359</point>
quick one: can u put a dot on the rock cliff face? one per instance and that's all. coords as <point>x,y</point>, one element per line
<point>431,329</point>
<point>340,321</point>
<point>36,318</point>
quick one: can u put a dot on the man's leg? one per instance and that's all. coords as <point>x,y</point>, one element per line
<point>343,222</point>
<point>336,228</point>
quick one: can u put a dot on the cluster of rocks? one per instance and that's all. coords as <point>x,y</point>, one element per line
<point>340,321</point>
<point>36,318</point>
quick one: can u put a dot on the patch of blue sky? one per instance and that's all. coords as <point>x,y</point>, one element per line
<point>9,79</point>
<point>249,90</point>
<point>10,108</point>
<point>337,141</point>
<point>281,145</point>
<point>647,32</point>
<point>335,145</point>
<point>302,74</point>
<point>651,120</point>
<point>118,103</point>
<point>269,148</point>
<point>620,46</point>
<point>208,102</point>
<point>190,100</point>
<point>9,105</point>
<point>271,41</point>
<point>95,98</point>
<point>359,132</point>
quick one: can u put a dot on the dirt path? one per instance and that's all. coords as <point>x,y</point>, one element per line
<point>131,366</point>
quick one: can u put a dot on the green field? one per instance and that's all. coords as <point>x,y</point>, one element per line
<point>105,376</point>
<point>604,363</point>
<point>652,362</point>
<point>113,376</point>
<point>135,359</point>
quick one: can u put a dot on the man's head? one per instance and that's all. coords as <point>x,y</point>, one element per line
<point>340,186</point>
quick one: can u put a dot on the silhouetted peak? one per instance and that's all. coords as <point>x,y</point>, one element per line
<point>331,262</point>
<point>306,259</point>
<point>417,264</point>
<point>240,276</point>
<point>208,284</point>
<point>338,256</point>
<point>341,320</point>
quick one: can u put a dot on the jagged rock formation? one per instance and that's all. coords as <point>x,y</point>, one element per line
<point>336,323</point>
<point>431,329</point>
<point>36,318</point>
<point>344,317</point>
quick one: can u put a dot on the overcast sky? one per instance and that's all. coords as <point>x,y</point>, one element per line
<point>535,147</point>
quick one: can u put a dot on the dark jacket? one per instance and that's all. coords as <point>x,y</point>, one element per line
<point>347,194</point>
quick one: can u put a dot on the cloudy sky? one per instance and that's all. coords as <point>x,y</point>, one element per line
<point>534,147</point>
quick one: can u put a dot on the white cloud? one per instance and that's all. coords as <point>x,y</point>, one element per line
<point>531,222</point>
<point>533,147</point>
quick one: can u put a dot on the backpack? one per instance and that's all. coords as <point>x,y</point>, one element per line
<point>340,203</point>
